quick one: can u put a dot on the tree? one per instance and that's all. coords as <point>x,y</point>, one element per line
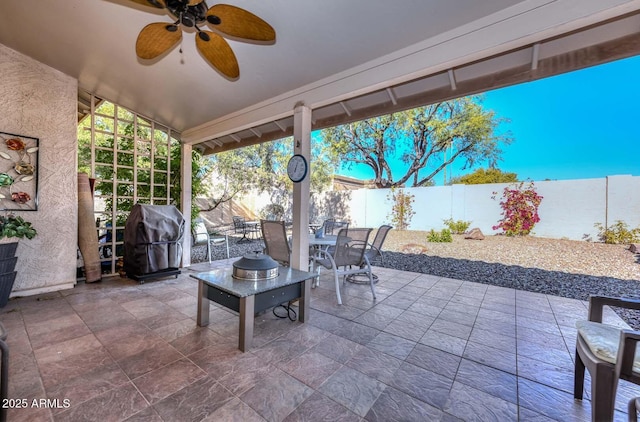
<point>483,176</point>
<point>426,139</point>
<point>262,168</point>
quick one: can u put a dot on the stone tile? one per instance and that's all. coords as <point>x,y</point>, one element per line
<point>312,368</point>
<point>490,356</point>
<point>194,402</point>
<point>551,402</point>
<point>352,389</point>
<point>451,328</point>
<point>490,380</point>
<point>89,384</point>
<point>544,338</point>
<point>241,373</point>
<point>156,356</point>
<point>374,364</point>
<point>545,354</point>
<point>70,358</point>
<point>103,319</point>
<point>394,405</point>
<point>167,317</point>
<point>356,332</point>
<point>319,405</point>
<point>198,339</point>
<point>495,340</point>
<point>435,360</point>
<point>163,382</point>
<point>338,348</point>
<point>147,414</point>
<point>424,385</point>
<point>392,345</point>
<point>407,329</point>
<point>128,339</point>
<point>113,405</point>
<point>560,377</point>
<point>468,403</point>
<point>444,342</point>
<point>498,327</point>
<point>234,410</point>
<point>276,396</point>
<point>177,329</point>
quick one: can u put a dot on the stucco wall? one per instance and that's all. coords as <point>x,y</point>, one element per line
<point>38,101</point>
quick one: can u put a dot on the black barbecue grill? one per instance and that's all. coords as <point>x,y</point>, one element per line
<point>153,242</point>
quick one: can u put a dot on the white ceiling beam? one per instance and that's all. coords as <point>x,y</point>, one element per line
<point>392,96</point>
<point>346,108</point>
<point>535,56</point>
<point>235,137</point>
<point>255,132</point>
<point>452,79</point>
<point>280,125</point>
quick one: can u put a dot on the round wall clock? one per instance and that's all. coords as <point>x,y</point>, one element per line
<point>297,168</point>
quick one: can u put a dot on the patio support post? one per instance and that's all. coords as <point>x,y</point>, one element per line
<point>302,146</point>
<point>185,201</point>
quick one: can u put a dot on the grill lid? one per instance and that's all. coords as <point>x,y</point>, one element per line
<point>255,266</point>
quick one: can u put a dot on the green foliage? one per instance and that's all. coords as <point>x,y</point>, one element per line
<point>444,236</point>
<point>273,212</point>
<point>519,205</point>
<point>15,226</point>
<point>262,168</point>
<point>457,227</point>
<point>402,208</point>
<point>427,139</point>
<point>618,233</point>
<point>483,176</point>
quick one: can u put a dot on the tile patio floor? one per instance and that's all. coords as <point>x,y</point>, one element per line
<point>429,349</point>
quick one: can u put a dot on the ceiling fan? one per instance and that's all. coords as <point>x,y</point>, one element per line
<point>156,38</point>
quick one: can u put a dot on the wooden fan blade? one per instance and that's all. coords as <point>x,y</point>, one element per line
<point>218,52</point>
<point>160,4</point>
<point>239,23</point>
<point>155,39</point>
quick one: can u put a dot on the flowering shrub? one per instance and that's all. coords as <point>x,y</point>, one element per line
<point>402,209</point>
<point>519,205</point>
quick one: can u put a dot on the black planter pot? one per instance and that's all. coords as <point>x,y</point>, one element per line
<point>7,273</point>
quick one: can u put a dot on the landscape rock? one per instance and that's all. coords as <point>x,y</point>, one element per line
<point>474,234</point>
<point>634,247</point>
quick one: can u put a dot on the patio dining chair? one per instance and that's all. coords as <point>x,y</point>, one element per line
<point>347,257</point>
<point>375,250</point>
<point>608,353</point>
<point>331,226</point>
<point>274,234</point>
<point>202,237</point>
<point>248,230</point>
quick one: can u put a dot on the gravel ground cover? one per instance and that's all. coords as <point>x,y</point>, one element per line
<point>573,269</point>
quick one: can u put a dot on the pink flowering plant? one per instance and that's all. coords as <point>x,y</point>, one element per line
<point>519,205</point>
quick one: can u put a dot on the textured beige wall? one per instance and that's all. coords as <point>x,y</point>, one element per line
<point>38,101</point>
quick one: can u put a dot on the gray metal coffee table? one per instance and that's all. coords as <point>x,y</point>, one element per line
<point>248,297</point>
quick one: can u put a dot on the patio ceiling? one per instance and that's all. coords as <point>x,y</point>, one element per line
<point>345,60</point>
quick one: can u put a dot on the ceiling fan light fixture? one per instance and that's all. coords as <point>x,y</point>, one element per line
<point>157,38</point>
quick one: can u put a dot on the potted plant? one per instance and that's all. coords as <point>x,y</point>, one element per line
<point>11,227</point>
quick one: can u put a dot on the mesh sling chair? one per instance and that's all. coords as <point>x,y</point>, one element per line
<point>348,254</point>
<point>608,353</point>
<point>202,237</point>
<point>274,234</point>
<point>331,226</point>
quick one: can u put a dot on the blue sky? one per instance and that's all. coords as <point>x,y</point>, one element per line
<point>583,124</point>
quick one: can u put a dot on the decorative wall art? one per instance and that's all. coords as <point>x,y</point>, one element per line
<point>18,172</point>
